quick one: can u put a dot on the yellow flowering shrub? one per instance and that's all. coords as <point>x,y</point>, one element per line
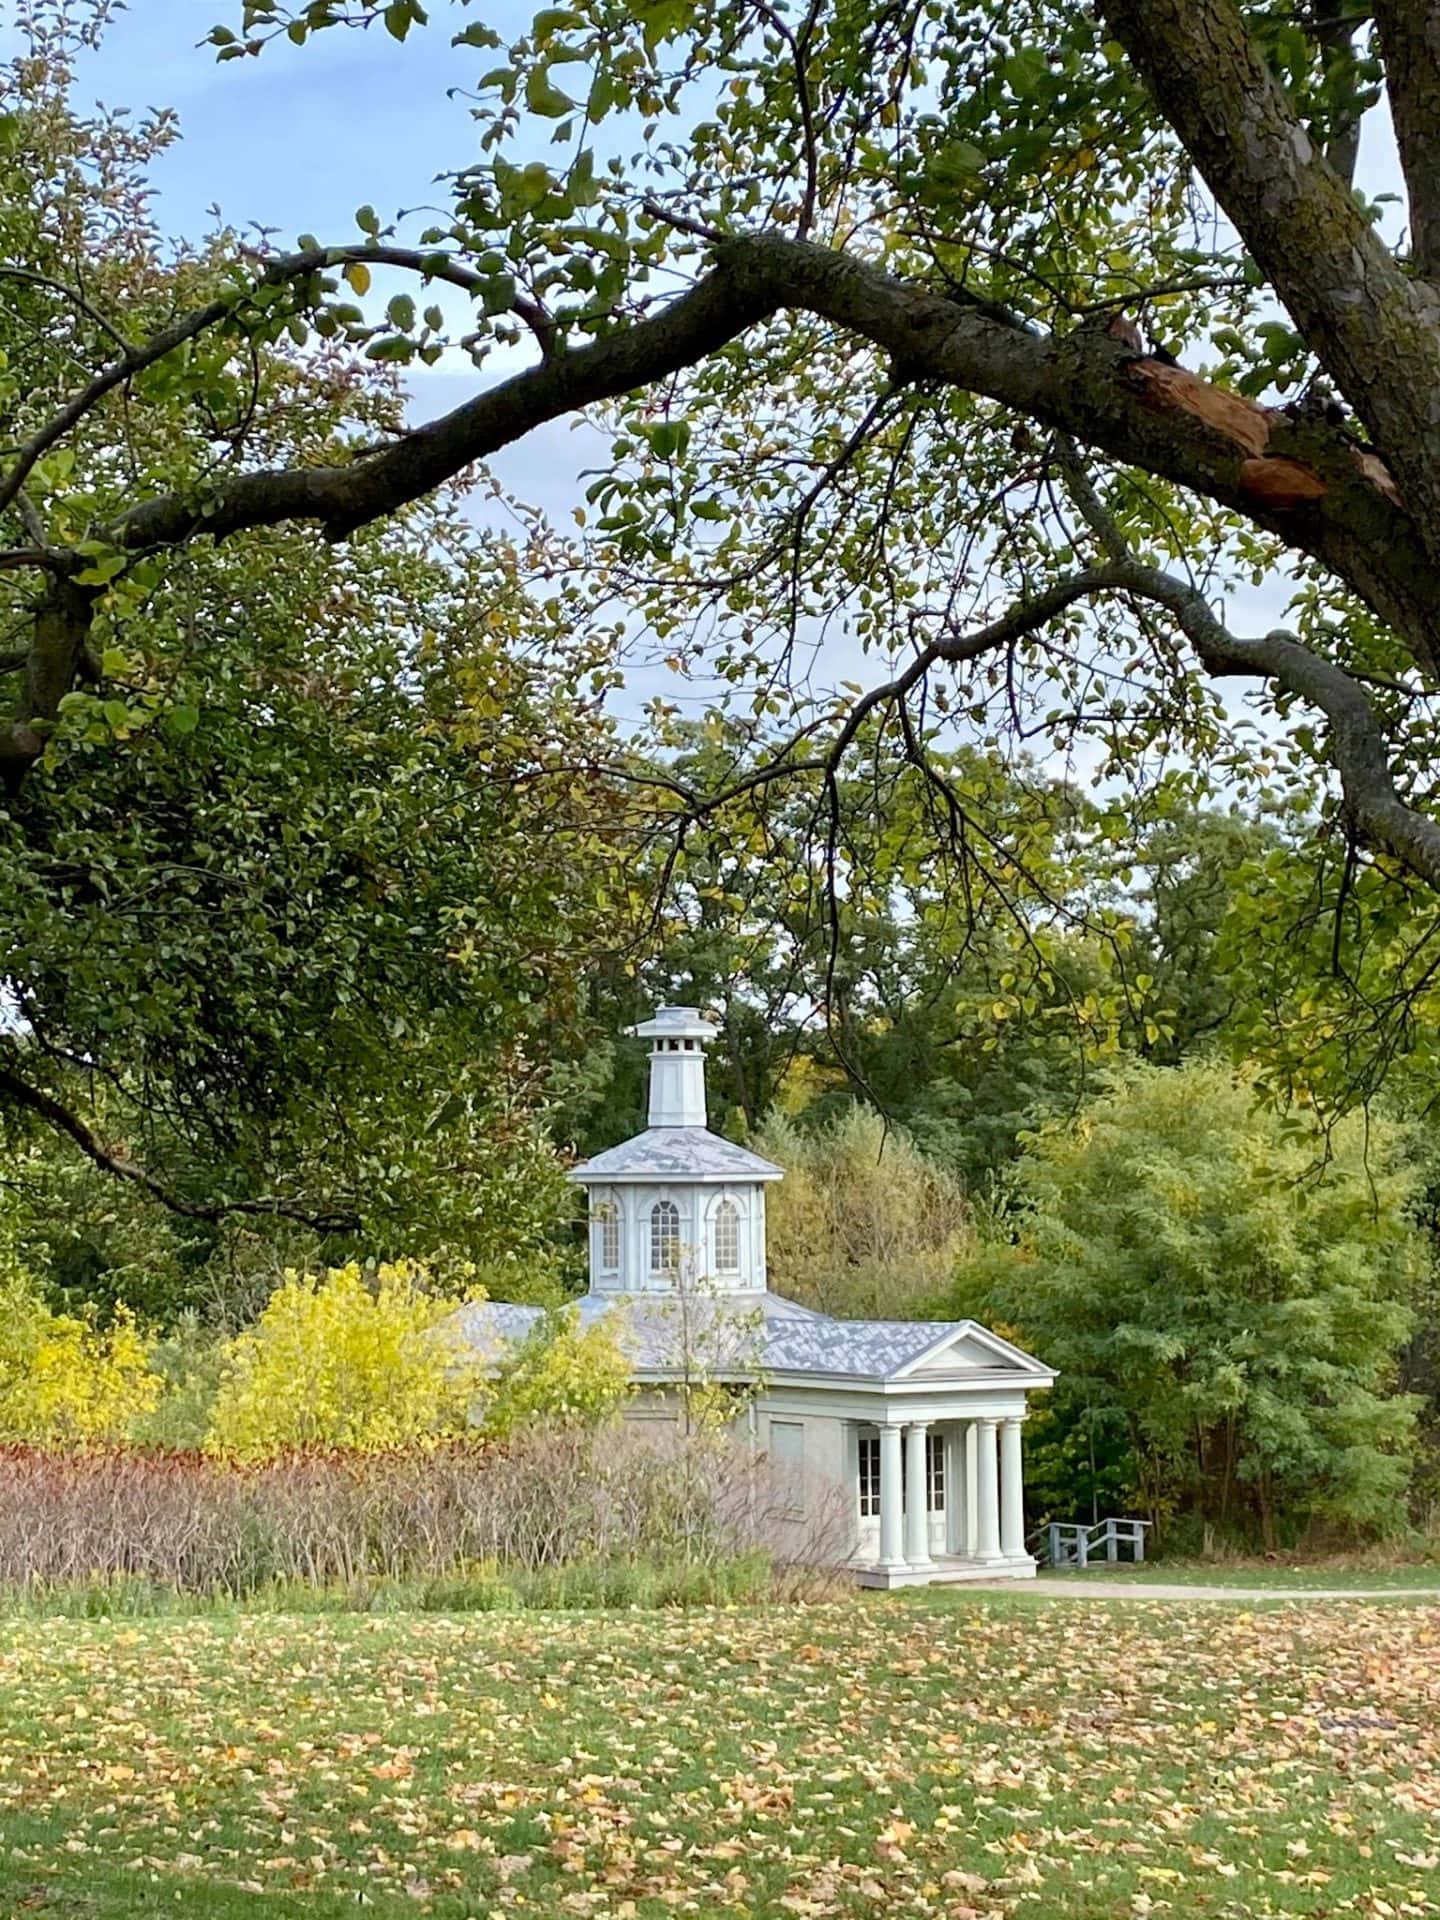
<point>339,1360</point>
<point>560,1371</point>
<point>65,1382</point>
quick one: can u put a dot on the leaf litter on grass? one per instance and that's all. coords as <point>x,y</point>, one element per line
<point>968,1759</point>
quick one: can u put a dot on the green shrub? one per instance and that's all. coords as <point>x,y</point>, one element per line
<point>560,1371</point>
<point>1224,1290</point>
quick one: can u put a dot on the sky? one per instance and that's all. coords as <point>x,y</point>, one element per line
<point>298,139</point>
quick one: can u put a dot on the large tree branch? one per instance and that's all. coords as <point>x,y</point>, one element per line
<point>1320,494</point>
<point>1357,742</point>
<point>1372,802</point>
<point>281,271</point>
<point>76,299</point>
<point>61,1119</point>
<point>1409,33</point>
<point>1374,329</point>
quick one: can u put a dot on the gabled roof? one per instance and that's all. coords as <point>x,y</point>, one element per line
<point>675,1153</point>
<point>764,1333</point>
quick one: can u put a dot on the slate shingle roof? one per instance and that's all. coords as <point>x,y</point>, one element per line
<point>747,1332</point>
<point>676,1153</point>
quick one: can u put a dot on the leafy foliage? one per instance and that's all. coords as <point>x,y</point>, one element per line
<point>67,1383</point>
<point>289,861</point>
<point>335,1362</point>
<point>1232,1290</point>
<point>863,1224</point>
<point>560,1371</point>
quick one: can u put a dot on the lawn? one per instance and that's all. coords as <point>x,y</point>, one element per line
<point>1258,1574</point>
<point>952,1755</point>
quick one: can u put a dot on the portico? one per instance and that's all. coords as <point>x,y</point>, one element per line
<point>940,1500</point>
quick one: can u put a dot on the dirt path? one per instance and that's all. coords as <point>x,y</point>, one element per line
<point>1102,1589</point>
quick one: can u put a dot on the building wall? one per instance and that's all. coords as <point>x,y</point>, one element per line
<point>630,1205</point>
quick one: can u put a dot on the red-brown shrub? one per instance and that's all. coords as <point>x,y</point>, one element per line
<point>554,1497</point>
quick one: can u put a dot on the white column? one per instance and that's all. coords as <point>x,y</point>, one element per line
<point>1012,1490</point>
<point>891,1554</point>
<point>917,1526</point>
<point>987,1494</point>
<point>972,1501</point>
<point>954,1488</point>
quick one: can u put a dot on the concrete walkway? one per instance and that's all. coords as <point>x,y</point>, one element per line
<point>1080,1588</point>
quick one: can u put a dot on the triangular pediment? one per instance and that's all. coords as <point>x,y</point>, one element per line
<point>967,1347</point>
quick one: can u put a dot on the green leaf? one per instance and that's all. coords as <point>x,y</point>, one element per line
<point>100,571</point>
<point>546,99</point>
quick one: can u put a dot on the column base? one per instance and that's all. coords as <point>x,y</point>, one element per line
<point>941,1573</point>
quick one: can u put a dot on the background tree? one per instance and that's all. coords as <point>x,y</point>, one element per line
<point>291,901</point>
<point>862,1224</point>
<point>1229,1290</point>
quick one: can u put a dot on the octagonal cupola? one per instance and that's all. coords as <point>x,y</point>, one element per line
<point>676,1205</point>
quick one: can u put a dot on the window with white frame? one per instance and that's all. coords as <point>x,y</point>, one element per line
<point>608,1214</point>
<point>869,1476</point>
<point>935,1472</point>
<point>727,1237</point>
<point>664,1237</point>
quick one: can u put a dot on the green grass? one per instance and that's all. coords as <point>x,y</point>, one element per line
<point>940,1754</point>
<point>739,1580</point>
<point>1260,1575</point>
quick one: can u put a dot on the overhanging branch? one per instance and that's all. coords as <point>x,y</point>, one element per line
<point>1324,497</point>
<point>63,1120</point>
<point>1376,331</point>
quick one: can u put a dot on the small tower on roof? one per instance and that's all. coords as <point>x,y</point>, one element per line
<point>676,1205</point>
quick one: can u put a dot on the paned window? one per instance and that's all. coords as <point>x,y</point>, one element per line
<point>609,1236</point>
<point>935,1472</point>
<point>727,1237</point>
<point>869,1476</point>
<point>664,1237</point>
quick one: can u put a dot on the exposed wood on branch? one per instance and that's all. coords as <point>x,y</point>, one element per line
<point>1373,328</point>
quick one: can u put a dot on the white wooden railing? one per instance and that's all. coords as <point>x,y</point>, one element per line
<point>1074,1544</point>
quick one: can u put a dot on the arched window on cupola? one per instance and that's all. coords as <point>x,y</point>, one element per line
<point>727,1237</point>
<point>664,1237</point>
<point>609,1215</point>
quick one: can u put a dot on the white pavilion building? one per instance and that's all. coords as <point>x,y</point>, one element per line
<point>911,1430</point>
